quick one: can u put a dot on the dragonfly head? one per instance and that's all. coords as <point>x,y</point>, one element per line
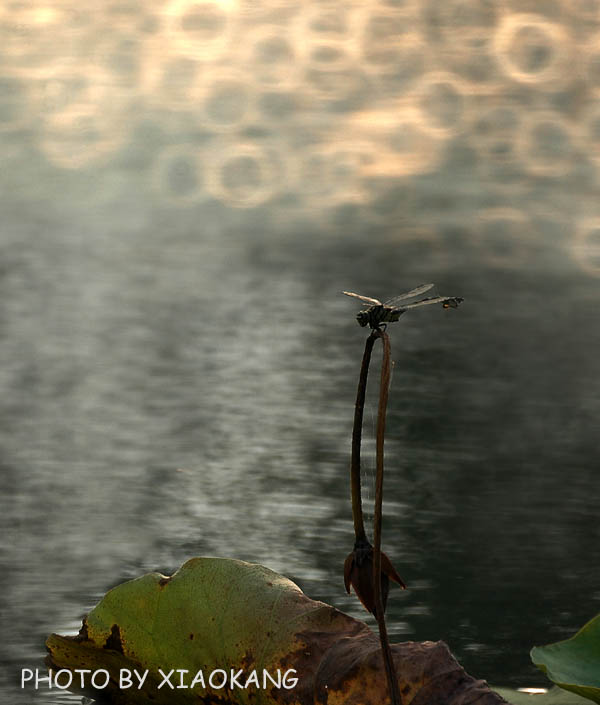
<point>363,318</point>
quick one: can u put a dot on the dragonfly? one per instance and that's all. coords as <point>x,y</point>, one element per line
<point>379,314</point>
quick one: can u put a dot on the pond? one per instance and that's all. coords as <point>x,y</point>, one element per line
<point>197,399</point>
<point>186,190</point>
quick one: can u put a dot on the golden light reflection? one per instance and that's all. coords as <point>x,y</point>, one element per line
<point>321,103</point>
<point>74,140</point>
<point>402,145</point>
<point>45,15</point>
<point>586,245</point>
<point>463,23</point>
<point>83,114</point>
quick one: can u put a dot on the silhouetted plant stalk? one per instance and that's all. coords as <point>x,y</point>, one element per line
<point>357,513</point>
<point>367,569</point>
<point>377,555</point>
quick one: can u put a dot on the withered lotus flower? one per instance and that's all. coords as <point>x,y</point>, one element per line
<point>358,573</point>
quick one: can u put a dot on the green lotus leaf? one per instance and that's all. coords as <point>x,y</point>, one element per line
<point>574,664</point>
<point>554,696</point>
<point>216,615</point>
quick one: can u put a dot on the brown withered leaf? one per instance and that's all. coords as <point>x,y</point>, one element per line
<point>216,613</point>
<point>358,573</point>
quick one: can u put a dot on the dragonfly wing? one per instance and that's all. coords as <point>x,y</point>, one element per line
<point>434,300</point>
<point>364,299</point>
<point>413,292</point>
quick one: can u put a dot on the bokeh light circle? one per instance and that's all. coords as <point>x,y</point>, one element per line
<point>547,144</point>
<point>243,174</point>
<point>531,49</point>
<point>272,56</point>
<point>441,99</point>
<point>200,29</point>
<point>170,81</point>
<point>227,100</point>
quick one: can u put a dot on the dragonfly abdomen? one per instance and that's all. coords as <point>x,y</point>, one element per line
<point>391,315</point>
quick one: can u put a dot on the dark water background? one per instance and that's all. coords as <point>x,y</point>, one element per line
<point>179,368</point>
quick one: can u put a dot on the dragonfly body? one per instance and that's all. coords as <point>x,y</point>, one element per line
<point>379,314</point>
<point>374,316</point>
